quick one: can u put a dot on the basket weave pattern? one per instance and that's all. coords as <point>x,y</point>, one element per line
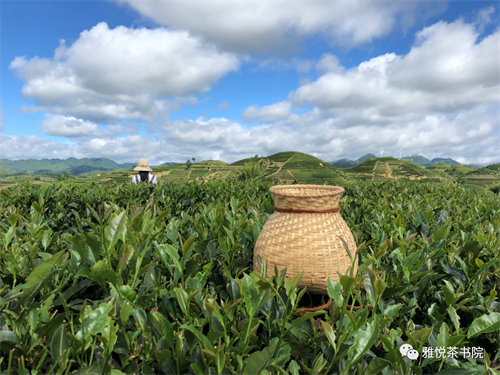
<point>306,241</point>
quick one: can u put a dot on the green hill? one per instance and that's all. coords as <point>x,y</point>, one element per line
<point>445,160</point>
<point>490,169</point>
<point>346,163</point>
<point>343,163</point>
<point>365,157</point>
<point>284,167</point>
<point>387,168</point>
<point>71,166</point>
<point>287,167</point>
<point>419,160</point>
<point>302,168</point>
<point>485,176</point>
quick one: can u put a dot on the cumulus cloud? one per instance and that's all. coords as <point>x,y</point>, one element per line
<point>123,73</point>
<point>76,128</point>
<point>269,113</point>
<point>329,63</point>
<point>65,126</point>
<point>276,26</point>
<point>447,71</point>
<point>442,96</point>
<point>34,147</point>
<point>447,57</point>
<point>469,137</point>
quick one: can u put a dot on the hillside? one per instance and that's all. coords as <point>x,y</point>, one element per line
<point>416,159</point>
<point>493,169</point>
<point>285,167</point>
<point>484,176</point>
<point>347,163</point>
<point>386,168</point>
<point>302,168</point>
<point>445,160</point>
<point>288,167</point>
<point>71,166</point>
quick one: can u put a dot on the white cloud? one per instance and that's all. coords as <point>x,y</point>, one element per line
<point>123,73</point>
<point>65,126</point>
<point>276,26</point>
<point>447,57</point>
<point>447,71</point>
<point>484,17</point>
<point>34,147</point>
<point>328,63</point>
<point>270,113</point>
<point>442,96</point>
<point>72,127</point>
<point>470,137</point>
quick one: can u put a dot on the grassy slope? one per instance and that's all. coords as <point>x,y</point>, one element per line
<point>472,178</point>
<point>304,169</point>
<point>381,169</point>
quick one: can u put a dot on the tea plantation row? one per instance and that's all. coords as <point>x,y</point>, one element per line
<point>121,279</point>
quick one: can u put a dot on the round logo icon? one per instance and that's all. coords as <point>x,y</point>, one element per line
<point>404,349</point>
<point>412,354</point>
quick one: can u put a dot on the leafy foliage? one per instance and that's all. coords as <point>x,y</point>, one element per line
<point>252,170</point>
<point>158,279</point>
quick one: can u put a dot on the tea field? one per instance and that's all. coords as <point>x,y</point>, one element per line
<point>120,279</point>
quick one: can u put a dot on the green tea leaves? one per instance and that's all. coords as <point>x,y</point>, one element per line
<point>116,229</point>
<point>335,292</point>
<point>110,278</point>
<point>442,233</point>
<point>484,324</point>
<point>60,343</point>
<point>250,295</point>
<point>365,338</point>
<point>42,271</point>
<point>8,340</point>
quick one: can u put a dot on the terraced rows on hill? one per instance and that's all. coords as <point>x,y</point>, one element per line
<point>301,168</point>
<point>382,169</point>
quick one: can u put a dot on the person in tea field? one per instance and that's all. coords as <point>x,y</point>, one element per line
<point>144,175</point>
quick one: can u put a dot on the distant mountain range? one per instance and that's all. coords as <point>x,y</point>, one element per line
<point>417,159</point>
<point>71,166</point>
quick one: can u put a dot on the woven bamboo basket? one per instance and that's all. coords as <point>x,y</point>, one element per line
<point>304,235</point>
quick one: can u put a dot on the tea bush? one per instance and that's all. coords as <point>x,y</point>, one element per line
<point>126,279</point>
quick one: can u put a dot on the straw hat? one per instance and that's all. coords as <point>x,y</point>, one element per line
<point>143,165</point>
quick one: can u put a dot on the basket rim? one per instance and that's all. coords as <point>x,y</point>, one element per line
<point>311,190</point>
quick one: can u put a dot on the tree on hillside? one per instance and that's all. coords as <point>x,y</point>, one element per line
<point>188,164</point>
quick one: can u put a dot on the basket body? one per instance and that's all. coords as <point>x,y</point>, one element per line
<point>304,235</point>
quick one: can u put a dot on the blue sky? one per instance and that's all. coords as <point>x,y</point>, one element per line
<point>226,80</point>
